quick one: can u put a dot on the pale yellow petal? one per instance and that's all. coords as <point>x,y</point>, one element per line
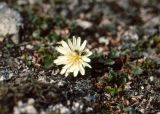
<point>84,58</point>
<point>86,65</point>
<point>61,60</point>
<point>67,73</point>
<point>65,46</point>
<point>78,43</point>
<point>70,44</point>
<point>64,69</point>
<point>62,50</point>
<point>58,62</point>
<point>83,45</point>
<point>88,53</point>
<point>72,68</point>
<point>82,71</point>
<point>74,42</point>
<point>75,73</point>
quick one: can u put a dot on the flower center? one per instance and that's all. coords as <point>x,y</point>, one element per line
<point>75,58</point>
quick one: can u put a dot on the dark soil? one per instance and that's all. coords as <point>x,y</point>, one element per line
<point>124,36</point>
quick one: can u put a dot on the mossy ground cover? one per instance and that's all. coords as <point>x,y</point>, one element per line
<point>124,37</point>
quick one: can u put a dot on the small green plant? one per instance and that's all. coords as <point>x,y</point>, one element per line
<point>125,109</point>
<point>148,64</point>
<point>59,21</point>
<point>116,77</point>
<point>48,56</point>
<point>28,59</point>
<point>112,90</point>
<point>53,37</point>
<point>137,71</point>
<point>99,57</point>
<point>9,46</point>
<point>114,54</point>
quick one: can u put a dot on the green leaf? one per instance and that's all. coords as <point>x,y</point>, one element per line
<point>112,91</point>
<point>114,54</point>
<point>48,61</point>
<point>9,45</point>
<point>137,71</point>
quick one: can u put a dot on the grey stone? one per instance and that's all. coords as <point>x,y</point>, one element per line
<point>10,22</point>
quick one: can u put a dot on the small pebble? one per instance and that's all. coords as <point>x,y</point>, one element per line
<point>89,109</point>
<point>104,40</point>
<point>142,87</point>
<point>151,78</point>
<point>29,46</point>
<point>30,101</point>
<point>136,93</point>
<point>84,24</point>
<point>22,48</point>
<point>60,83</point>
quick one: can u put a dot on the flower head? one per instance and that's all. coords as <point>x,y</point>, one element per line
<point>74,56</point>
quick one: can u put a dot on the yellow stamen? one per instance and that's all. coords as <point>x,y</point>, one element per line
<point>75,58</point>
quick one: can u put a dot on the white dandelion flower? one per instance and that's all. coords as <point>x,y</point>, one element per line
<point>74,56</point>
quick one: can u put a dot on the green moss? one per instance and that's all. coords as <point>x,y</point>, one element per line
<point>49,56</point>
<point>113,91</point>
<point>153,42</point>
<point>114,54</point>
<point>137,71</point>
<point>117,77</point>
<point>28,59</point>
<point>148,64</point>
